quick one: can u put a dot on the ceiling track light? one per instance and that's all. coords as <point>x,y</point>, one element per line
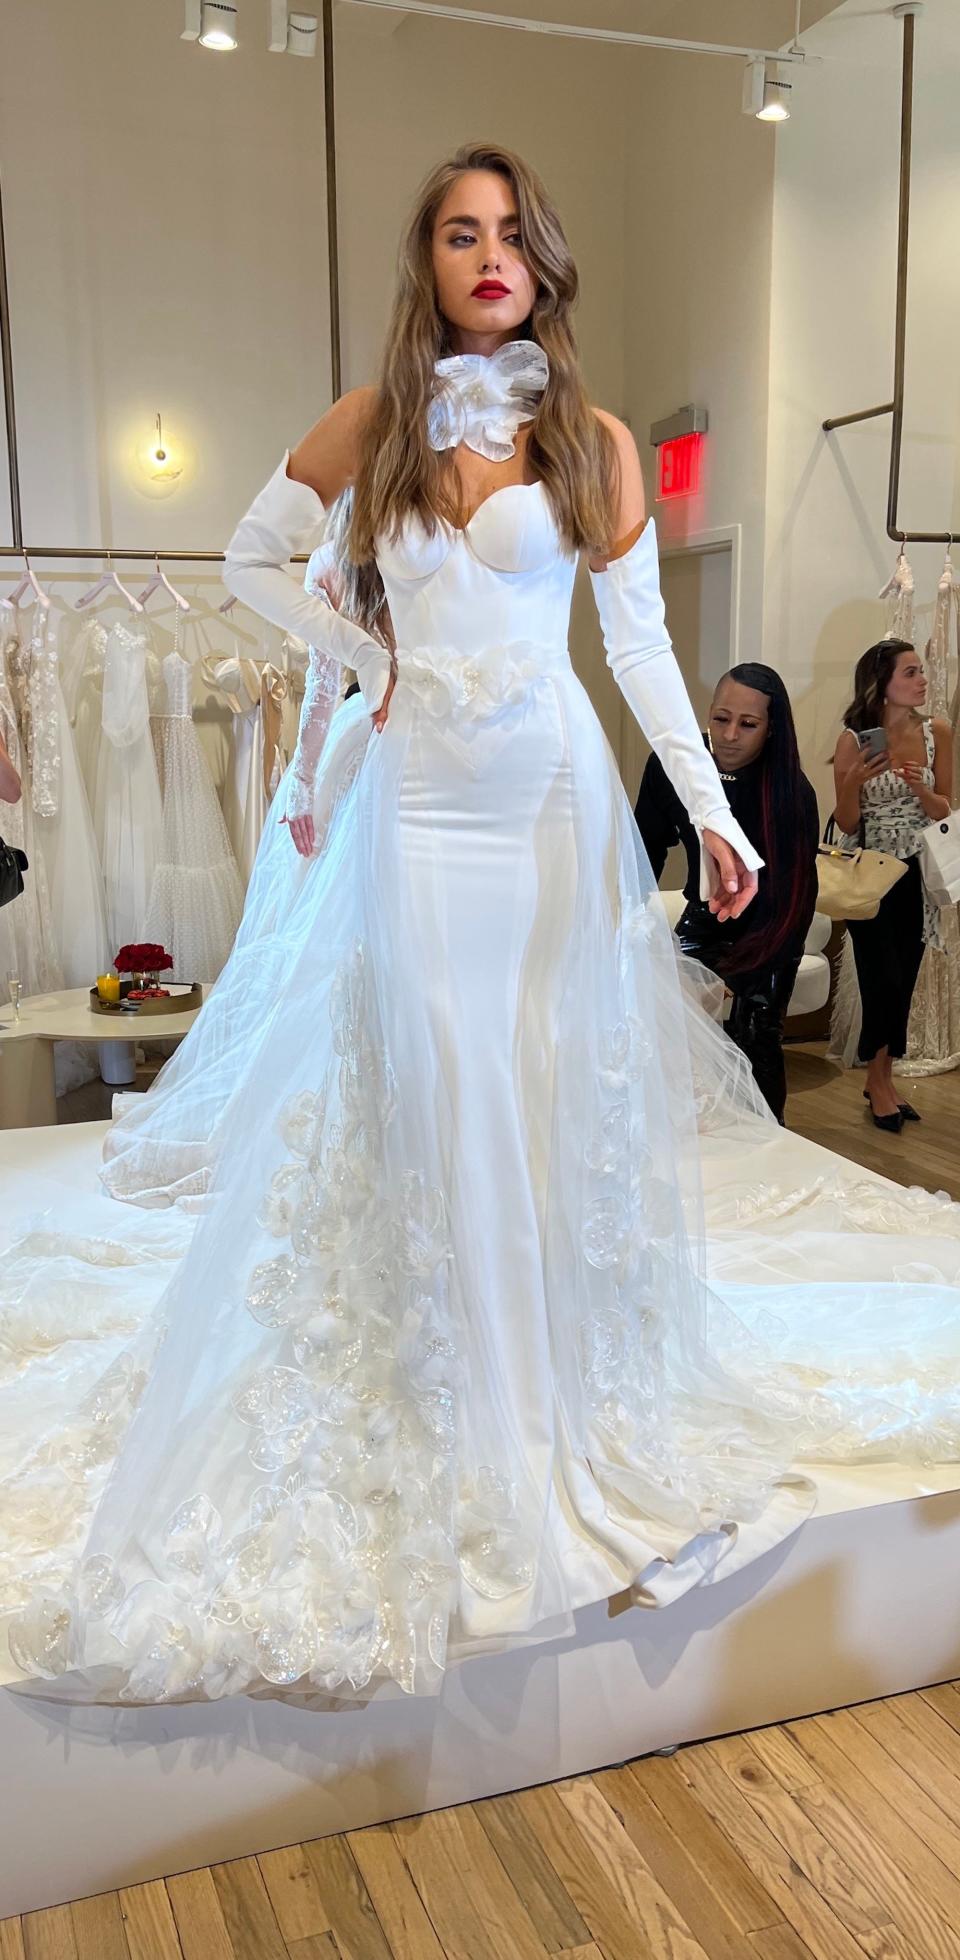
<point>765,93</point>
<point>219,28</point>
<point>211,22</point>
<point>291,33</point>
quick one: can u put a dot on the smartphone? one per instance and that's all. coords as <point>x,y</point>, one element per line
<point>874,739</point>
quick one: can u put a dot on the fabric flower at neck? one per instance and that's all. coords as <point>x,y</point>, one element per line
<point>482,399</point>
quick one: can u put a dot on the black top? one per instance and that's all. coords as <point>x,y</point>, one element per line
<point>663,822</point>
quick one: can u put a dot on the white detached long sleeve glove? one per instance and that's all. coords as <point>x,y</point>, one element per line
<point>320,696</point>
<point>287,518</point>
<point>641,658</point>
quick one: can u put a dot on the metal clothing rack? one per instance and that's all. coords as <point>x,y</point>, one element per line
<point>907,13</point>
<point>18,549</point>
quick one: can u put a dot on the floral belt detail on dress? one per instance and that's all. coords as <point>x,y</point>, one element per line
<point>475,686</point>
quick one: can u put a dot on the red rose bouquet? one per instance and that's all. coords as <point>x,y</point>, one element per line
<point>142,959</point>
<point>145,963</point>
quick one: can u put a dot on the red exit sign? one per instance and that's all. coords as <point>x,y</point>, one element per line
<point>678,467</point>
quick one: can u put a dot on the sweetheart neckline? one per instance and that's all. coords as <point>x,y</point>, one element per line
<point>460,530</point>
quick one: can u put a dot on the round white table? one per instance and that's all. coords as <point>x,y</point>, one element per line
<point>27,1087</point>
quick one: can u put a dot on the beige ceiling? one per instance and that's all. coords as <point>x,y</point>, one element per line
<point>744,23</point>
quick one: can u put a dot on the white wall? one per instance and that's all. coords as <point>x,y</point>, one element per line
<point>699,215</point>
<point>832,322</point>
<point>165,226</point>
<point>165,235</point>
<point>165,217</point>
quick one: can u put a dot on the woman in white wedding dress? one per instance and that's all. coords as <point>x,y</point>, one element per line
<point>438,1364</point>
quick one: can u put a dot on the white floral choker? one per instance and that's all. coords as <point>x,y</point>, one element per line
<point>482,399</point>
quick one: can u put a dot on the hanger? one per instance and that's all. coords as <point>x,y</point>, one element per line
<point>160,582</point>
<point>110,580</point>
<point>28,583</point>
<point>228,604</point>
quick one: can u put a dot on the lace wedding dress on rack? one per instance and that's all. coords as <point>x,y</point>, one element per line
<point>68,840</point>
<point>196,894</point>
<point>439,1364</point>
<point>128,814</point>
<point>28,940</point>
<point>933,1035</point>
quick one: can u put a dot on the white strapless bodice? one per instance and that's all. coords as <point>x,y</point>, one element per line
<point>505,579</point>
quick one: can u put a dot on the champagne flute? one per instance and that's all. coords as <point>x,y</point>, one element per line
<point>16,989</point>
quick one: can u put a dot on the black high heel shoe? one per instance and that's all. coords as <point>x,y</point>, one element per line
<point>893,1123</point>
<point>909,1114</point>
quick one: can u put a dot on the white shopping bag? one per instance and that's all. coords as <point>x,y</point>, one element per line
<point>940,859</point>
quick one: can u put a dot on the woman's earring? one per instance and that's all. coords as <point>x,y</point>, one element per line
<point>709,738</point>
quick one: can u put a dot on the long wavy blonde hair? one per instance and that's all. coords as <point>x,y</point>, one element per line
<point>398,473</point>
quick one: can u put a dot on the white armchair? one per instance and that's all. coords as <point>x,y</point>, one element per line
<point>812,989</point>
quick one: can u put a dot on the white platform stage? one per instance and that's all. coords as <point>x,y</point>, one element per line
<point>863,1601</point>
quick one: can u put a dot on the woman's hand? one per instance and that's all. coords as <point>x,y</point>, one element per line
<point>866,766</point>
<point>736,885</point>
<point>934,805</point>
<point>303,833</point>
<point>380,718</point>
<point>849,778</point>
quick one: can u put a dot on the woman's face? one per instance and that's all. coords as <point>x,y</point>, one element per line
<point>739,724</point>
<point>907,686</point>
<point>484,286</point>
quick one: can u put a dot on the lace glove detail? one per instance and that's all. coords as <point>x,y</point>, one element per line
<point>320,697</point>
<point>289,517</point>
<point>641,658</point>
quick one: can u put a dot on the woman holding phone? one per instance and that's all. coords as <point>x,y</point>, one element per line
<point>892,771</point>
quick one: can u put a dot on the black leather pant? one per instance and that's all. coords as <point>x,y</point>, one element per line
<point>760,1000</point>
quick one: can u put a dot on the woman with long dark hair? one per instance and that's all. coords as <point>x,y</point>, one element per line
<point>752,735</point>
<point>892,772</point>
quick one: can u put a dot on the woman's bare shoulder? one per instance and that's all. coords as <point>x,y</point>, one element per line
<point>622,436</point>
<point>327,456</point>
<point>630,510</point>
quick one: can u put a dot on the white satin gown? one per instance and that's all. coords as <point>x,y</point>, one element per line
<point>439,1361</point>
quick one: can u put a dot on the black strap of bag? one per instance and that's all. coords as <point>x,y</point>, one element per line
<point>830,835</point>
<point>13,864</point>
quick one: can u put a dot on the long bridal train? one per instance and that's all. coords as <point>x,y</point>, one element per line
<point>335,1458</point>
<point>418,1337</point>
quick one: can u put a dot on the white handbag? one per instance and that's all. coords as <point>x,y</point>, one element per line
<point>940,859</point>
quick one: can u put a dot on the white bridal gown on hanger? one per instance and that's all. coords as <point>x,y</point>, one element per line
<point>28,939</point>
<point>70,849</point>
<point>196,896</point>
<point>127,813</point>
<point>255,691</point>
<point>438,1363</point>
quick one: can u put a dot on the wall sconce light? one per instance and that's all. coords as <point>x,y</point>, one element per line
<point>161,460</point>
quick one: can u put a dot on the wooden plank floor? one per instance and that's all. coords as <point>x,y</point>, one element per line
<point>835,1837</point>
<point>826,1104</point>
